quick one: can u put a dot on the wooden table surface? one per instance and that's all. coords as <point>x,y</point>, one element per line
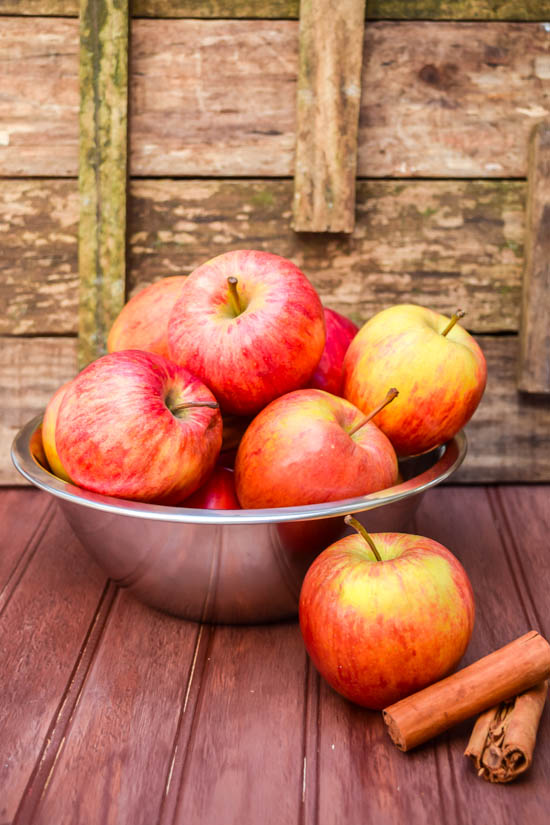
<point>111,712</point>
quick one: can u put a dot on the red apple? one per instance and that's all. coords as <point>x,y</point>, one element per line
<point>308,447</point>
<point>143,321</point>
<point>340,332</point>
<point>380,630</point>
<point>48,433</point>
<point>250,325</point>
<point>217,493</point>
<point>135,425</point>
<point>439,369</point>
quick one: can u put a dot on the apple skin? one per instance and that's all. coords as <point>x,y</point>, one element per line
<point>116,434</point>
<point>441,379</point>
<point>142,323</point>
<point>378,631</point>
<point>298,451</point>
<point>217,493</point>
<point>270,348</point>
<point>340,332</point>
<point>48,433</point>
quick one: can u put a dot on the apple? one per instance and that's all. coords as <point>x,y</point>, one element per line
<point>135,425</point>
<point>379,627</point>
<point>217,493</point>
<point>48,433</point>
<point>250,325</point>
<point>340,332</point>
<point>439,368</point>
<point>308,447</point>
<point>142,323</point>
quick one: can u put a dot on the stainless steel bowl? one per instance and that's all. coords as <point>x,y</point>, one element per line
<point>231,566</point>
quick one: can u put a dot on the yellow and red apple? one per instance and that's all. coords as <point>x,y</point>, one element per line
<point>309,446</point>
<point>380,629</point>
<point>48,433</point>
<point>438,366</point>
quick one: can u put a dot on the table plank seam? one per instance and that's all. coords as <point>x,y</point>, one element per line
<point>61,722</point>
<point>309,793</point>
<point>186,725</point>
<point>513,558</point>
<point>26,557</point>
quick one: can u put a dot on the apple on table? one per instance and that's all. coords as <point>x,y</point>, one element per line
<point>383,616</point>
<point>135,425</point>
<point>250,325</point>
<point>438,366</point>
<point>308,447</point>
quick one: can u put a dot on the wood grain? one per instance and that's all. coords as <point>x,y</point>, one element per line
<point>41,636</point>
<point>31,370</point>
<point>443,244</point>
<point>214,98</point>
<point>103,122</point>
<point>327,113</point>
<point>139,679</point>
<point>281,9</point>
<point>534,340</point>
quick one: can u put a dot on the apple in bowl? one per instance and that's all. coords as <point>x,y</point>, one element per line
<point>438,366</point>
<point>250,325</point>
<point>340,332</point>
<point>135,425</point>
<point>308,447</point>
<point>383,616</point>
<point>142,322</point>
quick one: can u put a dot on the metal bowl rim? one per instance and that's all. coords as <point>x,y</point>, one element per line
<point>451,456</point>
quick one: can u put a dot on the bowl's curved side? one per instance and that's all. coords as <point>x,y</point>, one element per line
<point>224,566</point>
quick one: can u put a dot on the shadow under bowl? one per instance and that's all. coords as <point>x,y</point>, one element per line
<point>226,566</point>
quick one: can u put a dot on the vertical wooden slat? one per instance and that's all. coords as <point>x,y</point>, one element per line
<point>102,170</point>
<point>329,92</point>
<point>534,348</point>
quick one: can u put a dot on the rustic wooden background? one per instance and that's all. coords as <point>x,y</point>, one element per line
<point>450,94</point>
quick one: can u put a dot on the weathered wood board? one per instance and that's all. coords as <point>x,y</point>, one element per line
<point>438,243</point>
<point>509,436</point>
<point>215,98</point>
<point>327,115</point>
<point>282,9</point>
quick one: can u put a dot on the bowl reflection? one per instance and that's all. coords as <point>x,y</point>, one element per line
<point>227,566</point>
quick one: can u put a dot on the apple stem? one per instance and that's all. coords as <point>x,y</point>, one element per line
<point>454,318</point>
<point>234,295</point>
<point>186,405</point>
<point>390,395</point>
<point>352,522</point>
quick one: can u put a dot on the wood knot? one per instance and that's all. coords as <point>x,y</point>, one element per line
<point>441,77</point>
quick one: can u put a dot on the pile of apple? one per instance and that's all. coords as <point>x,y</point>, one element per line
<point>241,355</point>
<point>233,387</point>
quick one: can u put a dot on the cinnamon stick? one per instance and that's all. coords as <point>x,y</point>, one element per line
<point>512,669</point>
<point>503,739</point>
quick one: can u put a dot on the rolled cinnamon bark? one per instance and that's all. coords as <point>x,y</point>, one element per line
<point>503,739</point>
<point>501,675</point>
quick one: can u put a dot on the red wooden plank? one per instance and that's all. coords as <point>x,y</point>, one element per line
<point>43,629</point>
<point>115,763</point>
<point>244,761</point>
<point>22,516</point>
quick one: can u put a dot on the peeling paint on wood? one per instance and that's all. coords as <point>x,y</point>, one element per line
<point>218,98</point>
<point>102,170</point>
<point>328,99</point>
<point>439,243</point>
<point>534,342</point>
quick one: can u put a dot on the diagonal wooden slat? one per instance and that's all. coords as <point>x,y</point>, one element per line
<point>104,37</point>
<point>329,96</point>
